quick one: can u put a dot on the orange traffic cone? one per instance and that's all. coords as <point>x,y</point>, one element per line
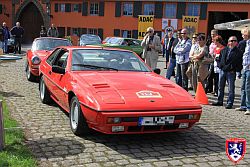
<point>201,96</point>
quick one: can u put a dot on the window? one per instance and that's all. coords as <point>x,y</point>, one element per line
<point>94,8</point>
<point>93,31</point>
<point>149,9</point>
<point>61,60</point>
<point>193,9</point>
<point>62,7</point>
<point>127,9</point>
<point>75,31</point>
<point>170,10</point>
<point>126,33</point>
<point>75,7</point>
<point>52,56</point>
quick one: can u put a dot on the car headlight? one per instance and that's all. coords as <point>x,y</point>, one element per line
<point>35,60</point>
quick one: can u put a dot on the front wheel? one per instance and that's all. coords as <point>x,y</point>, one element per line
<point>29,75</point>
<point>77,121</point>
<point>44,92</point>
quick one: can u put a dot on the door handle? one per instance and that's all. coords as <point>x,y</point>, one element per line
<point>49,72</point>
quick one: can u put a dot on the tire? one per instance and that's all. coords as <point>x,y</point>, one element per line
<point>78,123</point>
<point>44,93</point>
<point>29,75</point>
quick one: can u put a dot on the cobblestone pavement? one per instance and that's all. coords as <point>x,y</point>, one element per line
<point>49,137</point>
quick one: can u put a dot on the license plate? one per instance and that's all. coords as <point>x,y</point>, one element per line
<point>165,120</point>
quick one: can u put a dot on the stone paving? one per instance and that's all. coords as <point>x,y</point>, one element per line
<point>49,136</point>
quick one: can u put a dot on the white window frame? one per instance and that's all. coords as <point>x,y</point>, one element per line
<point>191,6</point>
<point>149,9</point>
<point>93,31</point>
<point>95,11</point>
<point>126,34</point>
<point>127,9</point>
<point>62,7</point>
<point>171,7</point>
<point>75,7</point>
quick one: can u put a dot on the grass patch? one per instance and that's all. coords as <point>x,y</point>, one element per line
<point>15,152</point>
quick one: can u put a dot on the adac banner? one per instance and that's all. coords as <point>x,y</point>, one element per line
<point>144,21</point>
<point>191,24</point>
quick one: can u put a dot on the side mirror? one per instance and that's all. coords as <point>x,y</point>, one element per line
<point>58,70</point>
<point>157,71</point>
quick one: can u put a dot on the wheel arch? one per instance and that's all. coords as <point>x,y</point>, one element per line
<point>71,94</point>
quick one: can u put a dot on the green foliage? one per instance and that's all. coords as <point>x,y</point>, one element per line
<point>68,38</point>
<point>15,153</point>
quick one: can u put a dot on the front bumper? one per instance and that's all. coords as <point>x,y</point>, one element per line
<point>34,69</point>
<point>130,121</point>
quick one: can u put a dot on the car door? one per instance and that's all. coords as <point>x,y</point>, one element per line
<point>47,69</point>
<point>60,80</point>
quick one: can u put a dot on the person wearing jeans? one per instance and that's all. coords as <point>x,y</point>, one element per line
<point>229,62</point>
<point>6,36</point>
<point>182,50</point>
<point>230,78</point>
<point>245,86</point>
<point>172,61</point>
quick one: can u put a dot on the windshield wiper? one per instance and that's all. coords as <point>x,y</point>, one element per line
<point>95,67</point>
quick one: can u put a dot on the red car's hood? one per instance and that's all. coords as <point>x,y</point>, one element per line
<point>135,91</point>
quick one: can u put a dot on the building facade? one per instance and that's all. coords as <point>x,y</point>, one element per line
<point>116,17</point>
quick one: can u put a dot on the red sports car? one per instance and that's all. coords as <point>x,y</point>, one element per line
<point>41,47</point>
<point>114,92</point>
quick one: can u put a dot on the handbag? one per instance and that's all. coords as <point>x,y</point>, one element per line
<point>207,59</point>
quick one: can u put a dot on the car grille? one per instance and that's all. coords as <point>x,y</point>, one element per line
<point>152,128</point>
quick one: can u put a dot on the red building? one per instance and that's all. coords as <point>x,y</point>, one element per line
<point>116,17</point>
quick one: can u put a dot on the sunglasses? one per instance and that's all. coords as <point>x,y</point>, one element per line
<point>232,40</point>
<point>183,33</point>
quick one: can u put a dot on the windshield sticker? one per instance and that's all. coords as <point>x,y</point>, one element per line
<point>148,94</point>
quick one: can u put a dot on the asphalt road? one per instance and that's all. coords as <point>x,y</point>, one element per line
<point>49,136</point>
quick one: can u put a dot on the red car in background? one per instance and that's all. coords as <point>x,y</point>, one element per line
<point>41,47</point>
<point>114,92</point>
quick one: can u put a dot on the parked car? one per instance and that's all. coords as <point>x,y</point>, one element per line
<point>11,45</point>
<point>99,89</point>
<point>89,39</point>
<point>125,43</point>
<point>106,40</point>
<point>41,47</point>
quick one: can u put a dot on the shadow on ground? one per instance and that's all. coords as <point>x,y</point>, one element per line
<point>10,94</point>
<point>55,147</point>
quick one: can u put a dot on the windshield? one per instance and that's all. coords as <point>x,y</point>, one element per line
<point>90,39</point>
<point>115,41</point>
<point>49,44</point>
<point>98,59</point>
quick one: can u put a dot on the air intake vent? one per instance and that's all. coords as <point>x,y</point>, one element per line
<point>97,86</point>
<point>167,85</point>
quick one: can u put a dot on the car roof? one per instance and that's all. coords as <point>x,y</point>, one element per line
<point>124,38</point>
<point>51,38</point>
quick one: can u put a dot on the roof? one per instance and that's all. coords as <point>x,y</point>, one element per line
<point>235,25</point>
<point>212,1</point>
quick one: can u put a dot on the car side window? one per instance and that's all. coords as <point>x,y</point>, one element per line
<point>61,59</point>
<point>125,42</point>
<point>136,43</point>
<point>130,42</point>
<point>52,56</point>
